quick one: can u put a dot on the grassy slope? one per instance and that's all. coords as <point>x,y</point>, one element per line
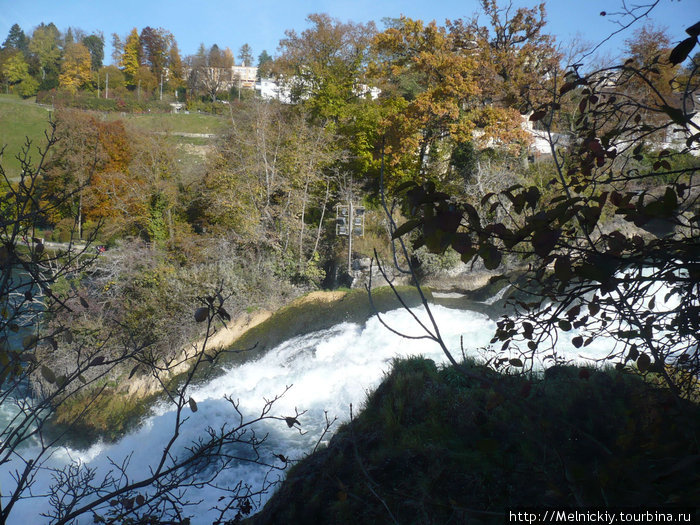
<point>19,119</point>
<point>432,447</point>
<point>175,123</point>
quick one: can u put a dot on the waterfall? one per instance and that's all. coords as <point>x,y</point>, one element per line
<point>328,370</point>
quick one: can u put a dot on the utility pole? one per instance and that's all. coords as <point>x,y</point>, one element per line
<point>350,228</point>
<point>161,86</point>
<point>98,84</point>
<point>107,86</point>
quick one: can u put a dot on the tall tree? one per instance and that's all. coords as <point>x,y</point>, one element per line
<point>68,38</point>
<point>649,48</point>
<point>264,64</point>
<point>211,70</point>
<point>131,57</point>
<point>430,89</point>
<point>76,67</point>
<point>245,55</point>
<point>155,44</point>
<point>45,46</point>
<point>175,65</point>
<point>15,69</point>
<point>517,57</point>
<point>324,65</point>
<point>117,49</point>
<point>95,44</point>
<point>16,39</point>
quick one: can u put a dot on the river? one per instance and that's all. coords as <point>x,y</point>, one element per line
<point>328,370</point>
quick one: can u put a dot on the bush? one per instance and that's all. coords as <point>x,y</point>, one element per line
<point>123,101</point>
<point>63,230</point>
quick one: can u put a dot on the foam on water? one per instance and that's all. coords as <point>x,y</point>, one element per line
<point>329,370</point>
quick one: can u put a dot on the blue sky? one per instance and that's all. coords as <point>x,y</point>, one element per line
<point>262,23</point>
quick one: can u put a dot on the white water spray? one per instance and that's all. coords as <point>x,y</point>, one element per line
<point>329,370</point>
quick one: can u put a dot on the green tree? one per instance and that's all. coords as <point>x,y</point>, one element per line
<point>245,55</point>
<point>324,65</point>
<point>95,44</point>
<point>45,47</point>
<point>145,81</point>
<point>116,78</point>
<point>264,64</point>
<point>15,72</point>
<point>516,55</point>
<point>15,69</point>
<point>16,39</point>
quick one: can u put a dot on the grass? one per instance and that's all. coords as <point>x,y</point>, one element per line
<point>199,123</point>
<point>19,119</point>
<point>432,446</point>
<point>24,118</point>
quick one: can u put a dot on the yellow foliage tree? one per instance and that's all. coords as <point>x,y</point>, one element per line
<point>75,70</point>
<point>131,57</point>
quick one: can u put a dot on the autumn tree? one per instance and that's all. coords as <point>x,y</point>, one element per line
<point>433,94</point>
<point>75,68</point>
<point>155,45</point>
<point>648,50</point>
<point>175,67</point>
<point>632,280</point>
<point>131,57</point>
<point>516,56</point>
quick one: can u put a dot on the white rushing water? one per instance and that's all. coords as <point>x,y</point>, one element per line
<point>329,370</point>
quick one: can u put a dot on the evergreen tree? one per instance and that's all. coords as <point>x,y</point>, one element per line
<point>95,44</point>
<point>264,64</point>
<point>16,39</point>
<point>245,54</point>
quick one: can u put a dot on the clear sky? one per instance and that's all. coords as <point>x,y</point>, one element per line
<point>261,23</point>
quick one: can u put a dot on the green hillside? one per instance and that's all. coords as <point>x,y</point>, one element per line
<point>19,119</point>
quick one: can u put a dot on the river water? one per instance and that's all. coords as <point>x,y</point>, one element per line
<point>328,370</point>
